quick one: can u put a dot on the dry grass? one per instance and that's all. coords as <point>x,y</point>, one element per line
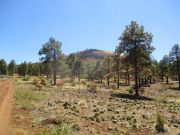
<point>106,111</point>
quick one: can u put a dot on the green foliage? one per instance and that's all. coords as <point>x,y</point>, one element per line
<point>175,59</point>
<point>23,69</point>
<point>107,68</point>
<point>12,67</point>
<point>130,90</point>
<point>43,80</point>
<point>63,68</point>
<point>75,66</point>
<point>35,69</point>
<point>116,67</point>
<point>95,72</point>
<point>89,71</point>
<point>26,78</point>
<point>62,129</point>
<point>73,84</point>
<point>175,53</point>
<point>135,44</point>
<point>160,123</point>
<point>24,97</point>
<point>3,67</point>
<point>51,52</point>
<point>99,70</point>
<point>165,67</point>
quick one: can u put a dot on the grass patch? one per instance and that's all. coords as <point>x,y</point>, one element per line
<point>63,129</point>
<point>24,96</point>
<point>160,123</point>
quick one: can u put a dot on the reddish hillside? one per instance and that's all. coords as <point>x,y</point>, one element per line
<point>92,54</point>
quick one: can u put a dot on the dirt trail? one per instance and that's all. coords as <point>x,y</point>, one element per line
<point>6,88</point>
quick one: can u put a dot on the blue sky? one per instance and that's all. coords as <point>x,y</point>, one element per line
<point>82,24</point>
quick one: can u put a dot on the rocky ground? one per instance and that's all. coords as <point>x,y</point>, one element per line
<point>77,110</point>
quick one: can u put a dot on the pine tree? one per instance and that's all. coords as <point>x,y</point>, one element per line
<point>51,51</point>
<point>136,44</point>
<point>175,56</point>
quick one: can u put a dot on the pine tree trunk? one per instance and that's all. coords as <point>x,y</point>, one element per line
<point>167,79</point>
<point>139,82</point>
<point>136,81</point>
<point>114,79</point>
<point>146,80</point>
<point>178,70</point>
<point>108,71</point>
<point>108,80</point>
<point>162,78</point>
<point>154,80</point>
<point>136,73</point>
<point>128,79</point>
<point>118,72</point>
<point>54,76</point>
<point>150,79</point>
<point>47,72</point>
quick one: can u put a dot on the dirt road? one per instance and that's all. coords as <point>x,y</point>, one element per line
<point>6,90</point>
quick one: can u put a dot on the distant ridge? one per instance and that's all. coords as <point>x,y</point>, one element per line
<point>92,54</point>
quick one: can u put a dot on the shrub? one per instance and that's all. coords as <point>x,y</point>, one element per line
<point>160,123</point>
<point>113,86</point>
<point>73,84</point>
<point>83,82</point>
<point>35,80</point>
<point>130,90</point>
<point>62,129</point>
<point>88,85</point>
<point>38,83</point>
<point>60,83</point>
<point>103,84</point>
<point>92,87</point>
<point>51,81</point>
<point>43,81</point>
<point>82,103</point>
<point>16,79</point>
<point>25,78</point>
<point>141,90</point>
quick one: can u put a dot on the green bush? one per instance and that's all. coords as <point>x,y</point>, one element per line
<point>130,90</point>
<point>43,81</point>
<point>51,81</point>
<point>160,123</point>
<point>25,78</point>
<point>63,129</point>
<point>73,84</point>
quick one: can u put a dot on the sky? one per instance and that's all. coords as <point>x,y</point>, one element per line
<point>83,24</point>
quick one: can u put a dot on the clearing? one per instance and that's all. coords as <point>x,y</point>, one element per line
<point>76,110</point>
